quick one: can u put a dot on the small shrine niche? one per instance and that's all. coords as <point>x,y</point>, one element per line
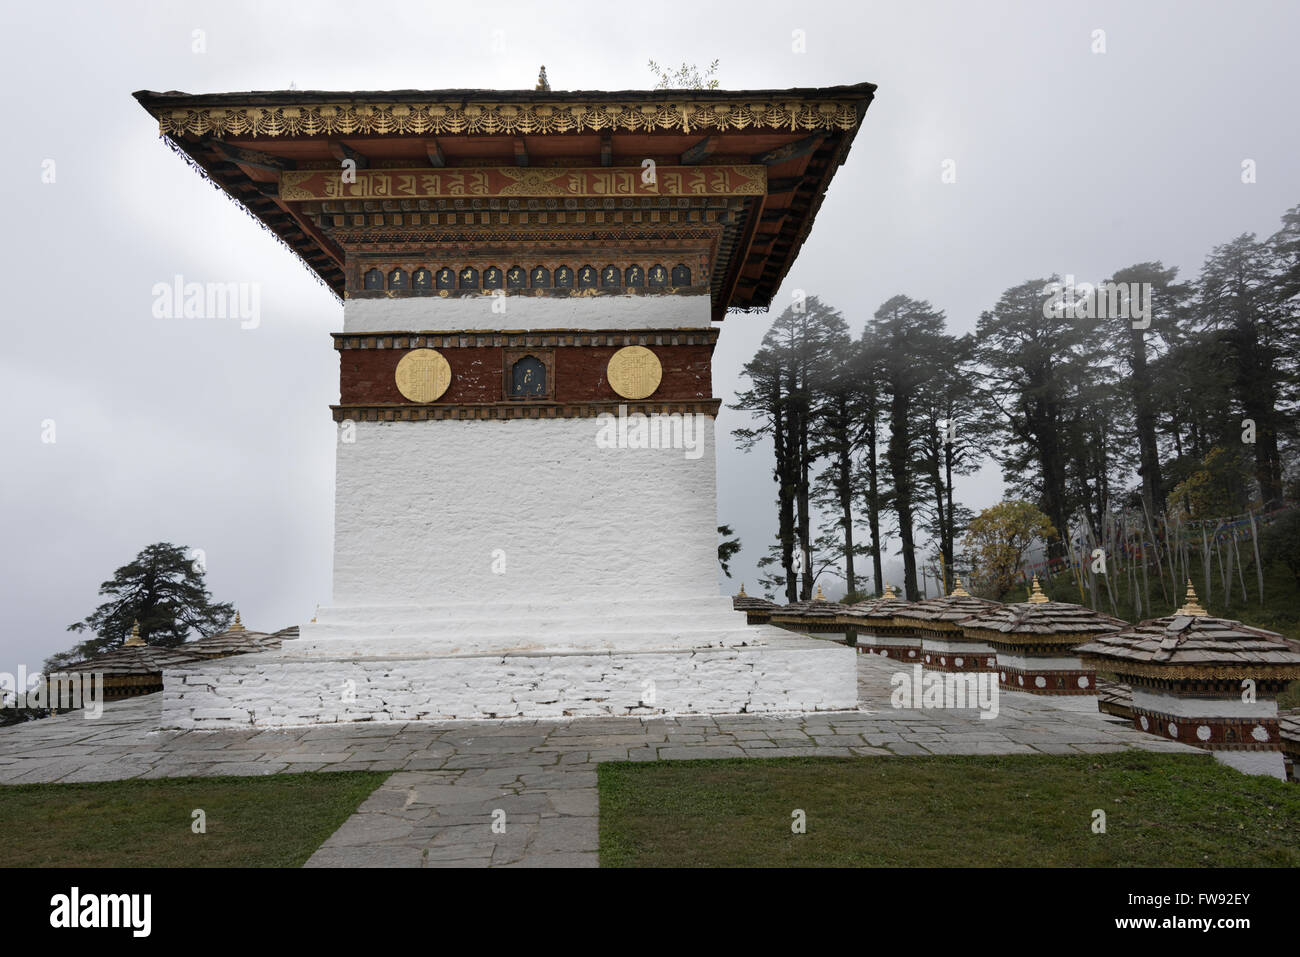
<point>373,279</point>
<point>528,375</point>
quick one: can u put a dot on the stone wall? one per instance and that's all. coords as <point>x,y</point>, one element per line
<point>274,691</point>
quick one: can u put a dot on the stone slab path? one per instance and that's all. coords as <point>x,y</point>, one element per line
<point>539,777</point>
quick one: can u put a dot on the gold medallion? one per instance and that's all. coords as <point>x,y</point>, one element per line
<point>634,372</point>
<point>423,375</point>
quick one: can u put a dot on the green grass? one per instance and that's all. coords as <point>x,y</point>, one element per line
<point>1014,810</point>
<point>272,821</point>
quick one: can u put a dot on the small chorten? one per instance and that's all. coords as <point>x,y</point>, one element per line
<point>818,615</point>
<point>1188,672</point>
<point>1035,642</point>
<point>872,626</point>
<point>238,625</point>
<point>936,625</point>
<point>758,611</point>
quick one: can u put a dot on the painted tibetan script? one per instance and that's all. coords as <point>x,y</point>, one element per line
<point>510,181</point>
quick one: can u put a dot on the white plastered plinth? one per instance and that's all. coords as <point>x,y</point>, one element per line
<point>518,569</point>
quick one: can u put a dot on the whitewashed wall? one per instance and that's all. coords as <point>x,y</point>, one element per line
<point>425,509</point>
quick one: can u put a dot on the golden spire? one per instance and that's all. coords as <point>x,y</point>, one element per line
<point>889,591</point>
<point>238,625</point>
<point>1036,596</point>
<point>1193,607</point>
<point>317,612</point>
<point>742,591</point>
<point>819,596</point>
<point>958,591</point>
<point>135,641</point>
<point>543,83</point>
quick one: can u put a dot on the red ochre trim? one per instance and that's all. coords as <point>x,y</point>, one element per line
<point>1225,734</point>
<point>1058,682</point>
<point>946,661</point>
<point>911,654</point>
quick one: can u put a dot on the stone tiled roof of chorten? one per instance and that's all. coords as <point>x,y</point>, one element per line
<point>1191,644</point>
<point>238,640</point>
<point>1041,621</point>
<point>818,608</point>
<point>945,611</point>
<point>882,609</point>
<point>134,657</point>
<point>743,602</point>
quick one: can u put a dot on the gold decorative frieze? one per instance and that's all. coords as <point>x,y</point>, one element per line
<point>453,339</point>
<point>494,411</point>
<point>379,118</point>
<point>423,375</point>
<point>634,372</point>
<point>508,181</point>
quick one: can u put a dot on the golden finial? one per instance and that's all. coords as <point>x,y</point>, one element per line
<point>135,640</point>
<point>742,591</point>
<point>543,83</point>
<point>238,625</point>
<point>819,596</point>
<point>957,590</point>
<point>889,591</point>
<point>1036,596</point>
<point>317,612</point>
<point>1193,607</point>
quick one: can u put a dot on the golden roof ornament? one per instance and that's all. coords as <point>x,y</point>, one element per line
<point>1193,607</point>
<point>543,83</point>
<point>135,641</point>
<point>317,611</point>
<point>742,591</point>
<point>238,625</point>
<point>1036,596</point>
<point>889,591</point>
<point>957,590</point>
<point>819,596</point>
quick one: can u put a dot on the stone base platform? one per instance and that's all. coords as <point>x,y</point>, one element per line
<point>773,672</point>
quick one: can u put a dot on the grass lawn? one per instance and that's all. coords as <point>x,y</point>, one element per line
<point>272,821</point>
<point>944,811</point>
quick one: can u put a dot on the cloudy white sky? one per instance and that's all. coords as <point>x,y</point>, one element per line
<point>205,434</point>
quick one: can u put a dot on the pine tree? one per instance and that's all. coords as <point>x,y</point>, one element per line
<point>162,589</point>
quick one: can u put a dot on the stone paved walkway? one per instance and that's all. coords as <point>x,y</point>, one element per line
<point>437,810</point>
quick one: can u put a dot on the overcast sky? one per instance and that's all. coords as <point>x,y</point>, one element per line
<point>201,433</point>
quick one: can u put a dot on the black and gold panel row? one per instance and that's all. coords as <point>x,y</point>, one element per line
<point>423,279</point>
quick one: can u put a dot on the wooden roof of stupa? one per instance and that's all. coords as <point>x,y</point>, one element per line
<point>946,610</point>
<point>245,142</point>
<point>1042,622</point>
<point>239,641</point>
<point>882,609</point>
<point>743,602</point>
<point>818,608</point>
<point>135,660</point>
<point>1190,644</point>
